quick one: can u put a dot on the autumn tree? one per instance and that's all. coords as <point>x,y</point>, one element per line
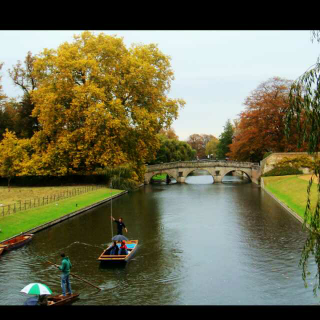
<point>225,139</point>
<point>5,118</point>
<point>22,77</point>
<point>100,104</point>
<point>260,128</point>
<point>198,142</point>
<point>169,133</point>
<point>14,156</point>
<point>211,148</point>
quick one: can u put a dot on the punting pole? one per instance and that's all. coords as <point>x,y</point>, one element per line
<point>111,213</point>
<point>75,276</point>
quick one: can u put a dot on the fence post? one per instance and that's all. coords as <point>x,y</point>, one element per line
<point>24,204</point>
<point>14,208</point>
<point>9,209</point>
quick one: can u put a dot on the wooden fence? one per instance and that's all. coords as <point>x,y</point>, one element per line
<point>38,202</point>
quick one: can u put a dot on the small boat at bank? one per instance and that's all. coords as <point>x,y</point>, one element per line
<point>132,246</point>
<point>1,250</point>
<point>15,242</point>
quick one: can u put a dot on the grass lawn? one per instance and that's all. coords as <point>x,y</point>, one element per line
<point>14,194</point>
<point>160,177</point>
<point>292,190</point>
<point>26,220</point>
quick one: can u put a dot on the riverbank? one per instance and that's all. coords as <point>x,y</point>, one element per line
<point>291,192</point>
<point>36,219</point>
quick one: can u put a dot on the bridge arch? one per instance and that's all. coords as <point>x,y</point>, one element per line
<point>188,172</point>
<point>245,171</point>
<point>171,176</point>
<point>171,172</point>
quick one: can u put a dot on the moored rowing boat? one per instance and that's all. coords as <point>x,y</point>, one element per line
<point>16,242</point>
<point>132,246</point>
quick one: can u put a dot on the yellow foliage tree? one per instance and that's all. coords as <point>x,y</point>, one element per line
<point>100,104</point>
<point>14,156</point>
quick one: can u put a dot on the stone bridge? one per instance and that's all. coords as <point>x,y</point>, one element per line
<point>218,169</point>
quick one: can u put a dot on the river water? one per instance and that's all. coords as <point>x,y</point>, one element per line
<point>200,244</point>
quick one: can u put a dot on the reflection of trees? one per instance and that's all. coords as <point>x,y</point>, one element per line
<point>273,236</point>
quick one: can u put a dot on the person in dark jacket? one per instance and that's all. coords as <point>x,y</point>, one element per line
<point>120,225</point>
<point>65,268</point>
<point>114,249</point>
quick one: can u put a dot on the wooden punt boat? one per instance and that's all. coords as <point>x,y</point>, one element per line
<point>56,300</point>
<point>59,300</point>
<point>132,246</point>
<point>16,242</point>
<point>1,250</point>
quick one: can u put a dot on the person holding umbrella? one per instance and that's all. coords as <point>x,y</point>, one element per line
<point>40,290</point>
<point>65,268</point>
<point>120,225</point>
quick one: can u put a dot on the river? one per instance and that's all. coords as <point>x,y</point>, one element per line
<point>200,244</point>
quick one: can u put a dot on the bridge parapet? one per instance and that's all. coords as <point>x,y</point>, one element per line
<point>201,164</point>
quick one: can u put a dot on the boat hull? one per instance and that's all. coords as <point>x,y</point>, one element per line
<point>16,242</point>
<point>60,301</point>
<point>132,249</point>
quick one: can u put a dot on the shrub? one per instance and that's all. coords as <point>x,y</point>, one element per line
<point>282,171</point>
<point>122,177</point>
<point>297,162</point>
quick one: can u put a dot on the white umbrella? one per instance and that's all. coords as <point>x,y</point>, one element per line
<point>36,288</point>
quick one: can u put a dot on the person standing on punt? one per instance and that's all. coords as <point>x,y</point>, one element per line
<point>120,225</point>
<point>65,268</point>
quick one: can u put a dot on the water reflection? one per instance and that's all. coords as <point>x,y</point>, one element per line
<point>200,244</point>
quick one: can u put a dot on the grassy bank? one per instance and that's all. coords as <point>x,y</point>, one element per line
<point>292,190</point>
<point>16,194</point>
<point>26,220</point>
<point>160,177</point>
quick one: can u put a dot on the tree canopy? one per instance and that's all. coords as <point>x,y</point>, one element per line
<point>173,150</point>
<point>95,103</point>
<point>260,128</point>
<point>225,140</point>
<point>199,142</point>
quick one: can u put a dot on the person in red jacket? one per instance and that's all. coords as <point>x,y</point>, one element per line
<point>123,248</point>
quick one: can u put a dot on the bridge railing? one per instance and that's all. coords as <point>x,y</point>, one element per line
<point>200,163</point>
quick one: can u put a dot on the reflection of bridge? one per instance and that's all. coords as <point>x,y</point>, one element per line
<point>218,169</point>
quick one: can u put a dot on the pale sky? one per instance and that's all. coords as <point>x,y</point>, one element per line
<point>214,70</point>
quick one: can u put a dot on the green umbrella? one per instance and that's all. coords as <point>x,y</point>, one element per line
<point>36,288</point>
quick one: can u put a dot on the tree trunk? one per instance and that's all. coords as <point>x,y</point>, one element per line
<point>9,178</point>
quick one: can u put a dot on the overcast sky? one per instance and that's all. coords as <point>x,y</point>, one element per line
<point>214,70</point>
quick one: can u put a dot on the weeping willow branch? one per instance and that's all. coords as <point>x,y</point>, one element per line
<point>304,109</point>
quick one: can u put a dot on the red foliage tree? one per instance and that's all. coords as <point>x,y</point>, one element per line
<point>261,126</point>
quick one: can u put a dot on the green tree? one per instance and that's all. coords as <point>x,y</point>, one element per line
<point>173,150</point>
<point>211,148</point>
<point>305,111</point>
<point>225,140</point>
